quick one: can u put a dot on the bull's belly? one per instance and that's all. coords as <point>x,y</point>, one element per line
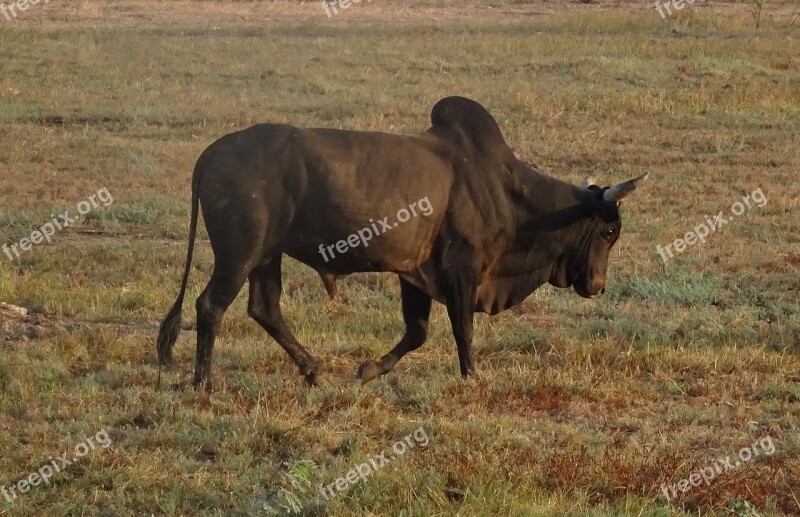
<point>492,297</point>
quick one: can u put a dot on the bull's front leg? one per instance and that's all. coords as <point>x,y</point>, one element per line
<point>460,299</point>
<point>416,311</point>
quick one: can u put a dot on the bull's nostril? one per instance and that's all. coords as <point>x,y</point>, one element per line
<point>602,290</point>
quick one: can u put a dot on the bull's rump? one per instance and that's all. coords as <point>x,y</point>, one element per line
<point>310,187</point>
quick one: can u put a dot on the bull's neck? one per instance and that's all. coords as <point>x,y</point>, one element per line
<point>539,199</point>
<point>546,213</point>
<point>549,213</point>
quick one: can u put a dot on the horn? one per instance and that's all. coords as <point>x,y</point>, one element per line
<point>588,181</point>
<point>620,190</point>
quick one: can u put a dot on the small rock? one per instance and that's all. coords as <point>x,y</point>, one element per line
<point>12,311</point>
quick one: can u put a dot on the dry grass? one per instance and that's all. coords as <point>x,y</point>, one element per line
<point>579,407</point>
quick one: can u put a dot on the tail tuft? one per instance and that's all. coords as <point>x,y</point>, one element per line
<point>168,333</point>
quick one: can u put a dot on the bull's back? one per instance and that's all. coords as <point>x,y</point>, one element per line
<point>315,187</point>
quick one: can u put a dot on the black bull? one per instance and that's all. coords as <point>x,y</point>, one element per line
<point>497,229</point>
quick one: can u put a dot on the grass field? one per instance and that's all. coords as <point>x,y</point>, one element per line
<point>579,407</point>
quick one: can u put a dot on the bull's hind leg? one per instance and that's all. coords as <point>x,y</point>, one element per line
<point>264,307</point>
<point>416,311</point>
<point>226,282</point>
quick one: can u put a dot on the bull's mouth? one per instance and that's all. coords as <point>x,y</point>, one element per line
<point>584,293</point>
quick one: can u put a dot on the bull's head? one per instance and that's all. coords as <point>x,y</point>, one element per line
<point>586,267</point>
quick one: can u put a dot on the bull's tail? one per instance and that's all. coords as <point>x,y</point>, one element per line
<point>171,325</point>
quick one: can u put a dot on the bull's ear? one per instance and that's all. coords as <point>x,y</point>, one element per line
<point>588,181</point>
<point>620,190</point>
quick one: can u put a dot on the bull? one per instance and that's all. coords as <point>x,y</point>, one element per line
<point>497,230</point>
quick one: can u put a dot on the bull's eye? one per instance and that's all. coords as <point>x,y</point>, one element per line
<point>610,233</point>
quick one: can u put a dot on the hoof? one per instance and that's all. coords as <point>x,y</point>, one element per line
<point>310,371</point>
<point>369,370</point>
<point>202,386</point>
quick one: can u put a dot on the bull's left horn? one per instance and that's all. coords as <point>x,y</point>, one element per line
<point>620,190</point>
